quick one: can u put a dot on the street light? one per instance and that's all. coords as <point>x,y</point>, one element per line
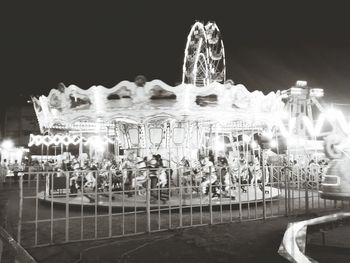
<point>7,144</point>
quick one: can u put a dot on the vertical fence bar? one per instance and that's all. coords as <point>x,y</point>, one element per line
<point>210,194</point>
<point>95,175</point>
<point>36,209</point>
<point>312,191</point>
<point>200,203</point>
<point>220,191</point>
<point>123,203</point>
<point>191,197</point>
<point>148,203</point>
<point>318,193</point>
<point>230,184</point>
<point>159,193</point>
<point>81,207</point>
<point>255,193</point>
<point>169,203</point>
<point>263,185</point>
<point>278,185</point>
<point>51,208</point>
<point>271,182</point>
<point>67,206</point>
<point>180,200</point>
<point>239,192</point>
<point>109,204</point>
<point>307,197</point>
<point>295,180</point>
<point>20,211</point>
<point>134,191</point>
<point>299,184</point>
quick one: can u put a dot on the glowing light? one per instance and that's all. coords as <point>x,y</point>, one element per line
<point>287,132</point>
<point>66,139</point>
<point>316,93</point>
<point>254,145</point>
<point>314,130</point>
<point>7,144</point>
<point>267,134</point>
<point>301,83</point>
<point>295,91</point>
<point>273,144</point>
<point>97,143</point>
<point>246,138</point>
<point>219,145</point>
<point>291,141</point>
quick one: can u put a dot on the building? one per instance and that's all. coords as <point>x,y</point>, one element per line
<point>17,123</point>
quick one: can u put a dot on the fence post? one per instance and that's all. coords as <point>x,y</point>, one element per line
<point>307,196</point>
<point>180,197</point>
<point>210,194</point>
<point>20,210</point>
<point>148,203</point>
<point>286,174</point>
<point>263,185</point>
<point>67,205</point>
<point>1,249</point>
<point>110,216</point>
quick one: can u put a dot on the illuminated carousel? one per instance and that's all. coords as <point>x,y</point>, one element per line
<point>206,115</point>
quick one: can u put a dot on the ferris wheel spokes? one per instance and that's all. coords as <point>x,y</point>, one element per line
<point>204,60</point>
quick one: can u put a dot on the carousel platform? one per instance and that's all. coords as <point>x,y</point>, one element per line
<point>124,202</point>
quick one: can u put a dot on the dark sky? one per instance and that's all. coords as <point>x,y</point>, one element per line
<point>268,46</point>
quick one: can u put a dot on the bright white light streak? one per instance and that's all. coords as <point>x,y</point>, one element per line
<point>314,130</point>
<point>287,131</point>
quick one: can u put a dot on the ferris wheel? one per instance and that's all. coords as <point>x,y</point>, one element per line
<point>204,60</point>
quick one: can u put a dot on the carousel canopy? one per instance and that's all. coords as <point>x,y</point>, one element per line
<point>72,108</point>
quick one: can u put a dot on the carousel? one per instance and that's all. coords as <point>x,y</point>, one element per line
<point>195,139</point>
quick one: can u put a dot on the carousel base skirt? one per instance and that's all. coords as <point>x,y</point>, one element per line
<point>137,201</point>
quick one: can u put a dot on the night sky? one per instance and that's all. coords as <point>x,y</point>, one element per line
<point>268,46</point>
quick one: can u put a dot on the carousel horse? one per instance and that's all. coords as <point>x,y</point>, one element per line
<point>229,185</point>
<point>258,176</point>
<point>196,174</point>
<point>163,182</point>
<point>90,180</point>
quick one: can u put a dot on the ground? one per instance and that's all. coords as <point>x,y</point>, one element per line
<point>254,241</point>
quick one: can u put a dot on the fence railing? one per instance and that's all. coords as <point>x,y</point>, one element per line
<point>10,248</point>
<point>60,207</point>
<point>294,240</point>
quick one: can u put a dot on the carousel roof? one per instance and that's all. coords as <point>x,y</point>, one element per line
<point>75,108</point>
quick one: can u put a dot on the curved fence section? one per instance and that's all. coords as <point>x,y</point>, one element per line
<point>13,249</point>
<point>294,240</point>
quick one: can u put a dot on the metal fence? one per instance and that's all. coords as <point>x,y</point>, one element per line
<point>61,207</point>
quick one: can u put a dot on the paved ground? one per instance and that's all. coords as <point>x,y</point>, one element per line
<point>254,241</point>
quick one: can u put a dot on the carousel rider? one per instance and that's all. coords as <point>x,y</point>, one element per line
<point>127,167</point>
<point>243,173</point>
<point>209,175</point>
<point>141,177</point>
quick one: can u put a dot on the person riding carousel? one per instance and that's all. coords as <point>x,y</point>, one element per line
<point>159,179</point>
<point>243,173</point>
<point>140,178</point>
<point>209,175</point>
<point>128,167</point>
